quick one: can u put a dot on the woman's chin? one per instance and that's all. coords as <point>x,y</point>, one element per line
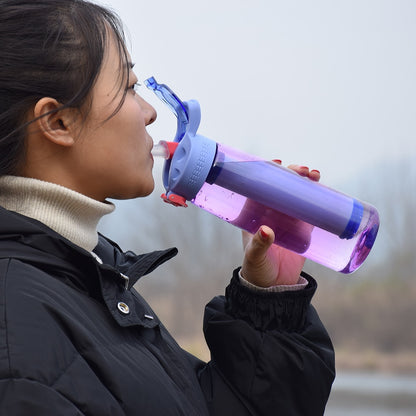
<point>135,192</point>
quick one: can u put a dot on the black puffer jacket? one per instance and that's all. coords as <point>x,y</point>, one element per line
<point>75,341</point>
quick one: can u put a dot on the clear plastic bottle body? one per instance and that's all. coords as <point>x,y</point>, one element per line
<point>327,236</point>
<point>322,224</point>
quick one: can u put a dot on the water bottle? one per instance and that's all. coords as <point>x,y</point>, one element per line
<point>308,218</point>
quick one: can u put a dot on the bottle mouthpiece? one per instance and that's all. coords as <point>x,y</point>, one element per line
<point>160,150</point>
<point>164,149</point>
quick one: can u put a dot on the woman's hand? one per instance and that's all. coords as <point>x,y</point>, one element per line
<point>266,264</point>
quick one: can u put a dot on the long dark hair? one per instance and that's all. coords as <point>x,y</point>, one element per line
<point>49,48</point>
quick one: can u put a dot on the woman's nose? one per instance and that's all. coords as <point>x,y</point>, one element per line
<point>149,112</point>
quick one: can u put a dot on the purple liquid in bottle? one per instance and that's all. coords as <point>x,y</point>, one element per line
<point>350,231</point>
<point>312,242</point>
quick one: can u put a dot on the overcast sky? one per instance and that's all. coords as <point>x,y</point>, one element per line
<point>330,84</point>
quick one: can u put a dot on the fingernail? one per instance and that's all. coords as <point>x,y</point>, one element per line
<point>263,234</point>
<point>278,161</point>
<point>315,170</point>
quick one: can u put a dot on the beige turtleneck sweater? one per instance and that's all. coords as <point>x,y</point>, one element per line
<point>69,213</point>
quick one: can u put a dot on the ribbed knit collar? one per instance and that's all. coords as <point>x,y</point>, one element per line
<point>69,213</point>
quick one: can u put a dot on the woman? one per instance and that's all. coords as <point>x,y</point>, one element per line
<point>75,337</point>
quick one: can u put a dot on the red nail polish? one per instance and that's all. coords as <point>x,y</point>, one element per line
<point>263,233</point>
<point>278,161</point>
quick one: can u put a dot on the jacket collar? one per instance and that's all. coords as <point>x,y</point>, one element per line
<point>129,264</point>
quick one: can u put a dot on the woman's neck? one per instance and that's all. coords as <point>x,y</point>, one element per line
<point>69,213</point>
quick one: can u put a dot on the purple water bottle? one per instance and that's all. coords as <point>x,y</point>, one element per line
<point>319,223</point>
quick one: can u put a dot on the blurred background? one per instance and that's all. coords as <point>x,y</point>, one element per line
<point>327,84</point>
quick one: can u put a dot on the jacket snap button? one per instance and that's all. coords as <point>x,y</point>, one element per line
<point>123,308</point>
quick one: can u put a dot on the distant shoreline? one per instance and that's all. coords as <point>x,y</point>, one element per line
<point>403,362</point>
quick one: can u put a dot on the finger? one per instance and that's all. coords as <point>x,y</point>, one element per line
<point>301,170</point>
<point>260,243</point>
<point>315,175</point>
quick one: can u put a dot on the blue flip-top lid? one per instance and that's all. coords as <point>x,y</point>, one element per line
<point>186,172</point>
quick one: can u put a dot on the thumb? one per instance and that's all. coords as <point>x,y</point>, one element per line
<point>256,249</point>
<point>257,266</point>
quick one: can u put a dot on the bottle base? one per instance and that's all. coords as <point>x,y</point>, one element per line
<point>362,249</point>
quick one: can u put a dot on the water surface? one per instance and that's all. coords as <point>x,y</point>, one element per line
<point>371,394</point>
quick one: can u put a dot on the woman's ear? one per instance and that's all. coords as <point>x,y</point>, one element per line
<point>56,125</point>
